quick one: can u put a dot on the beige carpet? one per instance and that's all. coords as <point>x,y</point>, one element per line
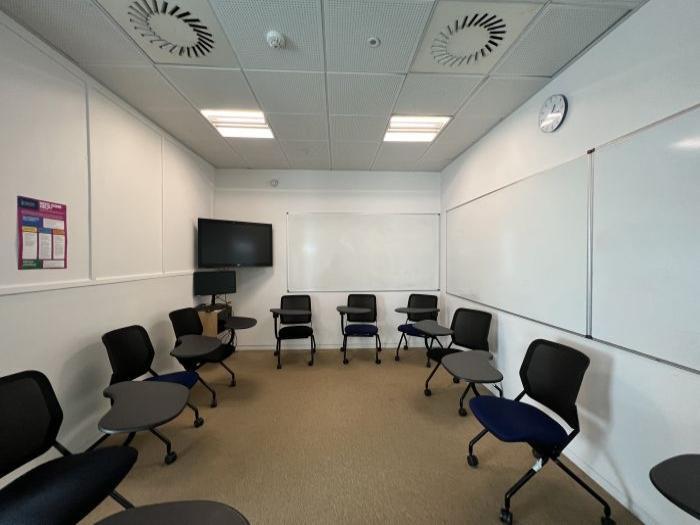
<point>351,444</point>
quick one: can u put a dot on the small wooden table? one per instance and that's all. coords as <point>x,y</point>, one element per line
<point>474,366</point>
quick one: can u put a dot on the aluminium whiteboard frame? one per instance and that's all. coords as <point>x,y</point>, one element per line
<point>439,251</point>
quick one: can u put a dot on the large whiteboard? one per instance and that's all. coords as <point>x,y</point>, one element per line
<point>524,248</point>
<point>646,241</point>
<point>362,252</point>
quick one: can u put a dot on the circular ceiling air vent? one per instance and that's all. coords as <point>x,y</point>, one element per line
<point>468,39</point>
<point>171,28</point>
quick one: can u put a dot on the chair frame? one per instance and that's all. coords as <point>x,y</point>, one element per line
<point>377,339</point>
<point>412,317</point>
<point>278,319</point>
<point>543,456</point>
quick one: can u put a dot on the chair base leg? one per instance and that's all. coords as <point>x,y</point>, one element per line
<point>198,421</point>
<point>472,460</point>
<point>606,519</point>
<point>233,376</point>
<point>313,351</point>
<point>427,390</point>
<point>402,338</point>
<point>211,390</point>
<point>377,349</point>
<point>170,454</point>
<point>506,514</point>
<point>344,349</point>
<point>121,500</point>
<point>129,439</point>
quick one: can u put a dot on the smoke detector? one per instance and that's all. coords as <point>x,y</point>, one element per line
<point>171,28</point>
<point>275,39</point>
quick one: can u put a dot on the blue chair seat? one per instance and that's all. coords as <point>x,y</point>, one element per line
<point>184,378</point>
<point>361,330</point>
<point>410,329</point>
<point>295,332</point>
<point>513,421</point>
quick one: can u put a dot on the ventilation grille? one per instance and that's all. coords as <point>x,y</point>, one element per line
<point>468,39</point>
<point>167,26</point>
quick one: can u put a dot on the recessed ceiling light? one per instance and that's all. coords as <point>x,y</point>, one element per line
<point>414,129</point>
<point>240,124</point>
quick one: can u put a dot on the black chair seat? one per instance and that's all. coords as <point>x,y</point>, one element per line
<point>217,355</point>
<point>437,353</point>
<point>65,490</point>
<point>295,332</point>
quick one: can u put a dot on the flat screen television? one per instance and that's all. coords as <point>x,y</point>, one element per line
<point>233,243</point>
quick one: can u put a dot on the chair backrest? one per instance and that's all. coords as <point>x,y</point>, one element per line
<point>359,300</point>
<point>552,374</point>
<point>295,302</point>
<point>30,418</point>
<point>130,352</point>
<point>186,321</point>
<point>419,300</point>
<point>471,328</point>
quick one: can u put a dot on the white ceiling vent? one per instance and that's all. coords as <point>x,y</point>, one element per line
<point>174,31</point>
<point>469,37</point>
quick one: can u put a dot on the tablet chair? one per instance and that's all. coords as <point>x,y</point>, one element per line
<point>300,327</point>
<point>551,374</point>
<point>131,354</point>
<point>471,331</point>
<point>361,325</point>
<point>186,321</point>
<point>63,491</point>
<point>416,300</point>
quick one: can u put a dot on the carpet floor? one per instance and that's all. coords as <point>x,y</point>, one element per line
<point>355,444</point>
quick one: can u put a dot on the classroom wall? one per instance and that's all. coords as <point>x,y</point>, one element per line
<point>247,195</point>
<point>133,196</point>
<point>634,411</point>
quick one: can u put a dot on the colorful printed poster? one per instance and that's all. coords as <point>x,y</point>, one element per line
<point>42,234</point>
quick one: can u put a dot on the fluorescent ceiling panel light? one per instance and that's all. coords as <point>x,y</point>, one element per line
<point>240,124</point>
<point>414,129</point>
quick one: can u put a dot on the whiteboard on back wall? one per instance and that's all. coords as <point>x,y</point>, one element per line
<point>524,248</point>
<point>646,241</point>
<point>362,252</point>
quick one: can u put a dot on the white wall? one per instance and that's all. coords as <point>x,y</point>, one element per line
<point>635,411</point>
<point>133,196</point>
<point>246,195</point>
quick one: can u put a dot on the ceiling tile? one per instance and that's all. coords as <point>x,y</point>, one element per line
<point>353,155</point>
<point>78,28</point>
<point>470,37</point>
<point>358,94</point>
<point>298,127</point>
<point>142,87</point>
<point>212,88</point>
<point>310,155</point>
<point>500,96</point>
<point>181,32</point>
<point>558,35</point>
<point>260,153</point>
<point>462,132</point>
<point>397,25</point>
<point>289,91</point>
<point>247,22</point>
<point>352,128</point>
<point>433,94</point>
<point>399,156</point>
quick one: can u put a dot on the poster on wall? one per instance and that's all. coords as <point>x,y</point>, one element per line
<point>42,234</point>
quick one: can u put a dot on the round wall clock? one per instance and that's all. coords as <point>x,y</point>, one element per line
<point>553,113</point>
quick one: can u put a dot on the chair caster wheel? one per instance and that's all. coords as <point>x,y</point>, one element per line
<point>345,361</point>
<point>462,411</point>
<point>405,347</point>
<point>198,422</point>
<point>472,460</point>
<point>275,354</point>
<point>170,458</point>
<point>310,363</point>
<point>397,358</point>
<point>455,380</point>
<point>279,367</point>
<point>506,517</point>
<point>232,383</point>
<point>213,404</point>
<point>607,520</point>
<point>427,392</point>
<point>378,361</point>
<point>427,365</point>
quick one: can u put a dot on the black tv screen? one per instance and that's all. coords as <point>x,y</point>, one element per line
<point>215,282</point>
<point>233,243</point>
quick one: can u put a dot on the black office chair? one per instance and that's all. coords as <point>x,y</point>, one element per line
<point>63,491</point>
<point>60,491</point>
<point>363,325</point>
<point>551,374</point>
<point>301,327</point>
<point>416,300</point>
<point>131,354</point>
<point>471,331</point>
<point>186,321</point>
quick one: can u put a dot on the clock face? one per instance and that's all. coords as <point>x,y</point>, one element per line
<point>553,113</point>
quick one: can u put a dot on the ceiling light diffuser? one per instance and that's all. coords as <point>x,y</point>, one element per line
<point>239,124</point>
<point>414,129</point>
